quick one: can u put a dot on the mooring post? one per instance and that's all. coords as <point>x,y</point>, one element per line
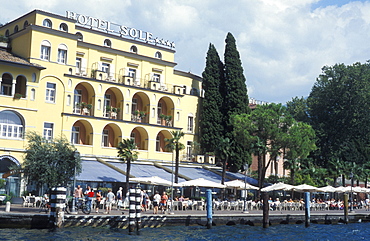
<point>7,207</point>
<point>307,206</point>
<point>57,203</point>
<point>265,209</point>
<point>346,208</point>
<point>209,208</point>
<point>132,211</point>
<point>138,209</point>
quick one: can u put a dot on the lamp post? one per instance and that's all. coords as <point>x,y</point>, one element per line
<point>245,210</point>
<point>351,176</point>
<point>76,155</point>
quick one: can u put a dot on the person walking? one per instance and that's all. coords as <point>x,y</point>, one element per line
<point>78,194</point>
<point>89,193</point>
<point>156,201</point>
<point>109,201</point>
<point>97,201</point>
<point>163,202</point>
<point>119,198</point>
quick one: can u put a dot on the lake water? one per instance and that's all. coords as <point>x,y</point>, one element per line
<point>353,231</point>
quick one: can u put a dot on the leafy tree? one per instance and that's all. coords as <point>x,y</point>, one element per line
<point>50,162</point>
<point>269,131</point>
<point>339,105</point>
<point>126,153</point>
<point>236,101</point>
<point>298,109</point>
<point>299,142</point>
<point>175,144</point>
<point>211,127</point>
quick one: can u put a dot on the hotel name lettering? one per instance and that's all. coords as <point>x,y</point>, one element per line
<point>123,31</point>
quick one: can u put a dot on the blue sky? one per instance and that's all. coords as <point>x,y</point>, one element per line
<point>283,44</point>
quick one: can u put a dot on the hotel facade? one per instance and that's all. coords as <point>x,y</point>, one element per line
<point>95,83</point>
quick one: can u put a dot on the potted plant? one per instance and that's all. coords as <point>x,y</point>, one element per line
<point>108,108</point>
<point>83,104</point>
<point>18,96</point>
<point>89,106</point>
<point>168,119</point>
<point>142,114</point>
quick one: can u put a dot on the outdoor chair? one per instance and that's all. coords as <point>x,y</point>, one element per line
<point>25,202</point>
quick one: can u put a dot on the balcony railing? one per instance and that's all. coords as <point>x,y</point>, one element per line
<point>121,78</point>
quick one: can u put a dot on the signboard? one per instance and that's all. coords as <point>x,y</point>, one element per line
<point>120,30</point>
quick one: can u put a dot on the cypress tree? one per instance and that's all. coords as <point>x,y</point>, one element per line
<point>211,127</point>
<point>235,100</point>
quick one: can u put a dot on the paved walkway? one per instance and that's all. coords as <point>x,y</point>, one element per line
<point>18,208</point>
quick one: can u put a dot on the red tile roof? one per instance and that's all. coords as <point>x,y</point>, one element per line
<point>9,57</point>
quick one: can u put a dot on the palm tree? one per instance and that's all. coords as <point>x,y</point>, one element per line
<point>175,144</point>
<point>127,154</point>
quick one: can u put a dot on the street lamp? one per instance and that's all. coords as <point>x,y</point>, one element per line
<point>245,188</point>
<point>76,155</point>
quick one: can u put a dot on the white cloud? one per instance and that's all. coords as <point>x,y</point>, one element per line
<point>283,43</point>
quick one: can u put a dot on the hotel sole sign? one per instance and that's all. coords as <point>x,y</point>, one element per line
<point>116,29</point>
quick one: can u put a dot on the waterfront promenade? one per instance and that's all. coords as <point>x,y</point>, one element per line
<point>30,217</point>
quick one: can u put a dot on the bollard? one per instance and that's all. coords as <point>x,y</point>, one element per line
<point>138,209</point>
<point>209,208</point>
<point>265,210</point>
<point>7,207</point>
<point>346,208</point>
<point>132,211</point>
<point>307,208</point>
<point>57,204</point>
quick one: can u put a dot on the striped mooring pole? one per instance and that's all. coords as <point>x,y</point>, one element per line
<point>138,209</point>
<point>57,204</point>
<point>132,211</point>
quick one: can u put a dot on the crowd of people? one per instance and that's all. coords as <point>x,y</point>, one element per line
<point>95,198</point>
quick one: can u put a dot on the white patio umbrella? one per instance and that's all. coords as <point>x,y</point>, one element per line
<point>278,186</point>
<point>201,182</point>
<point>239,185</point>
<point>340,189</point>
<point>328,189</point>
<point>306,188</point>
<point>354,189</point>
<point>155,180</point>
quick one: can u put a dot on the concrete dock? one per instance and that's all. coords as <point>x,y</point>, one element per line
<point>30,217</point>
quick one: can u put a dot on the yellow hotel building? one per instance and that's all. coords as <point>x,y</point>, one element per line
<point>95,83</point>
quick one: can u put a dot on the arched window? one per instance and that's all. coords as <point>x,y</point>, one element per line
<point>11,125</point>
<point>107,43</point>
<point>7,33</point>
<point>79,36</point>
<point>25,24</point>
<point>33,77</point>
<point>63,27</point>
<point>158,143</point>
<point>47,23</point>
<point>62,54</point>
<point>45,50</point>
<point>6,84</point>
<point>75,138</point>
<point>158,55</point>
<point>16,29</point>
<point>190,123</point>
<point>133,49</point>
